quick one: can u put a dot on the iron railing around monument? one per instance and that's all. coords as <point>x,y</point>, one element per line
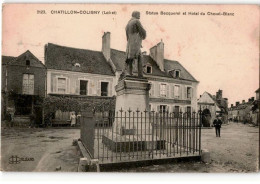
<point>132,136</point>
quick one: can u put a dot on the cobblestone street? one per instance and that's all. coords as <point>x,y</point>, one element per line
<point>235,151</point>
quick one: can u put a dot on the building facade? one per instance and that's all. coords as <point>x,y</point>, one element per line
<point>173,88</point>
<point>94,74</point>
<point>23,86</point>
<point>211,106</point>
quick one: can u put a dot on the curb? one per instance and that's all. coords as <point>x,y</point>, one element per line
<point>86,164</point>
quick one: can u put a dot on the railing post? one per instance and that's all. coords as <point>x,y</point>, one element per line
<point>87,131</point>
<point>200,121</point>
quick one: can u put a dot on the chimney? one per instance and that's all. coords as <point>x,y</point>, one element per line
<point>219,94</point>
<point>249,99</point>
<point>237,103</point>
<point>243,101</point>
<point>106,45</point>
<point>157,53</point>
<point>231,105</point>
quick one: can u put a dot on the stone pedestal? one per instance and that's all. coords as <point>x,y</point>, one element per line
<point>132,99</point>
<point>132,130</point>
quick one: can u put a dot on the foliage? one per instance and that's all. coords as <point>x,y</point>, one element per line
<point>65,104</point>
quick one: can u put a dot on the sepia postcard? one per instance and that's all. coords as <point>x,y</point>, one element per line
<point>130,88</point>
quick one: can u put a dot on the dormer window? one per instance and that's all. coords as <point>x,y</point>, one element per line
<point>28,63</point>
<point>148,69</point>
<point>175,73</point>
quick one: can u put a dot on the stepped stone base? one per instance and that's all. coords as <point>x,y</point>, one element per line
<point>129,143</point>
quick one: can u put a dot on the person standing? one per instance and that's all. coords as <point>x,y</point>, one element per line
<point>217,124</point>
<point>73,118</point>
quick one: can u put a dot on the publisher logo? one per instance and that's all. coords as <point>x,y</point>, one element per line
<point>14,159</point>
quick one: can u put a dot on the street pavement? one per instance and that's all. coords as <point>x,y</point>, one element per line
<point>237,150</point>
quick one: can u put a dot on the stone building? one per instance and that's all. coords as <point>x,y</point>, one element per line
<point>82,73</point>
<point>173,88</point>
<point>23,86</point>
<point>77,73</point>
<point>240,112</point>
<point>211,106</point>
<point>254,113</point>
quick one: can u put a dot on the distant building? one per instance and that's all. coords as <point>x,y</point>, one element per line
<point>240,112</point>
<point>23,86</point>
<point>212,106</point>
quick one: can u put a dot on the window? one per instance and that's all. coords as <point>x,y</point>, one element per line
<point>28,63</point>
<point>175,73</point>
<point>188,111</point>
<point>163,90</point>
<point>176,91</point>
<point>176,111</point>
<point>189,91</point>
<point>83,87</point>
<point>61,85</point>
<point>104,88</point>
<point>163,108</point>
<point>28,84</point>
<point>148,69</point>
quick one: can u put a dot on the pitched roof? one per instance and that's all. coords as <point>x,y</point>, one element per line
<point>242,105</point>
<point>21,60</point>
<point>7,59</point>
<point>64,58</point>
<point>118,58</point>
<point>214,99</point>
<point>27,55</point>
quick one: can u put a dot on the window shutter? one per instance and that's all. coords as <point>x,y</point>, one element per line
<point>158,108</point>
<point>110,89</point>
<point>67,86</point>
<point>168,91</point>
<point>172,91</point>
<point>184,92</point>
<point>191,92</point>
<point>180,92</point>
<point>31,84</point>
<point>90,88</point>
<point>98,84</point>
<point>77,90</point>
<point>156,89</point>
<point>54,84</point>
<point>152,88</point>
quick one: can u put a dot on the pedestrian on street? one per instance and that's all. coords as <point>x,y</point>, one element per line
<point>73,118</point>
<point>217,124</point>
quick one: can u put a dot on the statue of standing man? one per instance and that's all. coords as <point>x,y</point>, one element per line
<point>135,33</point>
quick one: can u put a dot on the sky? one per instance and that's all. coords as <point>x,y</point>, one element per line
<point>221,52</point>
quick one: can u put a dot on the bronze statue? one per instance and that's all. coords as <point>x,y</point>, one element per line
<point>135,33</point>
